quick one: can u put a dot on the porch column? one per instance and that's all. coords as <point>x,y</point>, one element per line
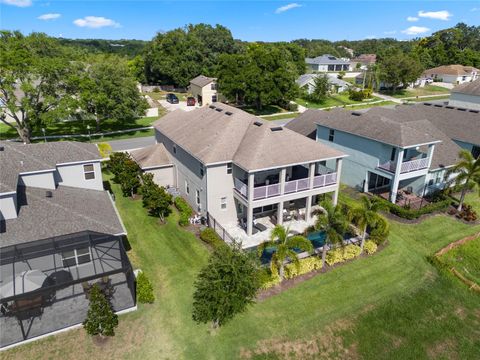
<point>283,176</point>
<point>308,208</point>
<point>337,188</point>
<point>249,219</point>
<point>396,180</point>
<point>431,147</point>
<point>280,213</point>
<point>311,175</point>
<point>251,184</point>
<point>365,184</point>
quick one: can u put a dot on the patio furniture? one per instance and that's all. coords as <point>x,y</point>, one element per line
<point>286,215</point>
<point>27,281</point>
<point>259,226</point>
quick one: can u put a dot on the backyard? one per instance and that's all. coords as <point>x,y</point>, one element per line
<point>420,91</point>
<point>334,100</point>
<point>394,304</point>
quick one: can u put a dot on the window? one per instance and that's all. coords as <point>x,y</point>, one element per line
<point>331,135</point>
<point>89,172</point>
<point>213,86</point>
<point>187,188</point>
<point>197,196</point>
<point>76,257</point>
<point>174,149</point>
<point>223,203</point>
<point>405,153</point>
<point>229,168</point>
<point>201,170</point>
<point>392,155</point>
<point>214,98</point>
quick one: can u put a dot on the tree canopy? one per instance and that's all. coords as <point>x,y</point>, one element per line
<point>397,68</point>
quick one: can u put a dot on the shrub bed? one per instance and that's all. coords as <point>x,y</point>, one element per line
<point>411,214</point>
<point>144,289</point>
<point>305,266</point>
<point>340,255</point>
<point>184,209</point>
<point>267,279</point>
<point>370,247</point>
<point>209,236</point>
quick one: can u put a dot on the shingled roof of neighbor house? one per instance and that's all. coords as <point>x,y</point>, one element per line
<point>151,156</point>
<point>468,88</point>
<point>458,70</point>
<point>16,158</point>
<point>68,210</point>
<point>326,59</point>
<point>222,133</point>
<point>202,80</point>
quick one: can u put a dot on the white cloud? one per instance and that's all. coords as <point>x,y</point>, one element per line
<point>474,9</point>
<point>284,8</point>
<point>49,16</point>
<point>19,3</point>
<point>370,37</point>
<point>95,22</point>
<point>415,30</point>
<point>438,15</point>
<point>392,32</point>
<point>412,18</point>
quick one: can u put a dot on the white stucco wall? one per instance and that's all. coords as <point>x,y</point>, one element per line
<point>465,100</point>
<point>73,175</point>
<point>8,206</point>
<point>205,92</point>
<point>220,184</point>
<point>42,180</point>
<point>163,176</point>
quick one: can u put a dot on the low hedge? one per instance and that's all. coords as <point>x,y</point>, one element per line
<point>411,214</point>
<point>209,236</point>
<point>185,210</point>
<point>370,247</point>
<point>144,289</point>
<point>340,255</point>
<point>268,279</point>
<point>305,266</point>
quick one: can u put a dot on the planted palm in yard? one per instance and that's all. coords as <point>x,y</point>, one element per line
<point>285,247</point>
<point>467,172</point>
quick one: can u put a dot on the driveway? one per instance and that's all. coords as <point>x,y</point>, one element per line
<point>181,105</point>
<point>130,144</point>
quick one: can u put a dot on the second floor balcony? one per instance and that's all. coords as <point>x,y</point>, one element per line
<point>406,166</point>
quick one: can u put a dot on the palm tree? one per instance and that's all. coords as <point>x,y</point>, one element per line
<point>467,173</point>
<point>284,248</point>
<point>366,215</point>
<point>333,222</point>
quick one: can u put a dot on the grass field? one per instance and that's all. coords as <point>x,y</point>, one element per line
<point>281,117</point>
<point>266,110</point>
<point>465,259</point>
<point>332,100</point>
<point>393,305</point>
<point>421,91</point>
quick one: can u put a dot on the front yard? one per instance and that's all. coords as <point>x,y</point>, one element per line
<point>333,100</point>
<point>394,304</point>
<point>420,91</point>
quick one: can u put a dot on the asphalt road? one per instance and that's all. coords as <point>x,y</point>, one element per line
<point>130,144</point>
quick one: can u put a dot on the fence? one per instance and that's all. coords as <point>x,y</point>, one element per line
<point>219,229</point>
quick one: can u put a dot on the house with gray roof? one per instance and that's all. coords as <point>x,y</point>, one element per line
<point>307,82</point>
<point>466,95</point>
<point>327,62</point>
<point>407,149</point>
<point>204,89</point>
<point>243,173</point>
<point>60,233</point>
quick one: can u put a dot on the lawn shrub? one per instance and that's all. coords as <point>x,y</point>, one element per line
<point>209,236</point>
<point>268,279</point>
<point>334,257</point>
<point>350,252</point>
<point>411,214</point>
<point>144,289</point>
<point>360,95</point>
<point>380,231</point>
<point>184,209</point>
<point>305,266</point>
<point>370,247</point>
<point>340,255</point>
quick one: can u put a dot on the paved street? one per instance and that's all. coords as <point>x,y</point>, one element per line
<point>129,144</point>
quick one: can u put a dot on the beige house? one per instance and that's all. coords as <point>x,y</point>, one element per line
<point>204,90</point>
<point>155,160</point>
<point>466,95</point>
<point>453,74</point>
<point>245,174</point>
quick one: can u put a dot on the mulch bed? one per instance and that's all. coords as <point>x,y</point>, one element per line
<point>289,283</point>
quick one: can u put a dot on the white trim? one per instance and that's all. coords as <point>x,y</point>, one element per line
<point>293,164</point>
<point>118,214</point>
<point>37,172</point>
<point>80,162</point>
<point>156,167</point>
<point>72,327</point>
<point>7,193</point>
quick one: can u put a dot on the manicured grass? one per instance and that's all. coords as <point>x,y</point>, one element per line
<point>80,127</point>
<point>432,98</point>
<point>473,199</point>
<point>363,307</point>
<point>465,259</point>
<point>280,117</point>
<point>266,110</point>
<point>332,100</point>
<point>426,90</point>
<point>161,95</point>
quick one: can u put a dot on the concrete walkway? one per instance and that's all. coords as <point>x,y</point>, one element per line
<point>388,98</point>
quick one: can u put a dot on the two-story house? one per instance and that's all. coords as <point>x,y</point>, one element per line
<point>408,148</point>
<point>204,89</point>
<point>327,62</point>
<point>59,233</point>
<point>466,95</point>
<point>453,74</point>
<point>238,168</point>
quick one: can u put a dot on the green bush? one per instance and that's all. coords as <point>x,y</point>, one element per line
<point>209,236</point>
<point>370,247</point>
<point>415,214</point>
<point>380,231</point>
<point>268,279</point>
<point>360,95</point>
<point>305,266</point>
<point>334,256</point>
<point>340,255</point>
<point>184,209</point>
<point>144,289</point>
<point>292,107</point>
<point>350,252</point>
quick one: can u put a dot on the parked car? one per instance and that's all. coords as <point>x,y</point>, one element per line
<point>172,98</point>
<point>190,101</point>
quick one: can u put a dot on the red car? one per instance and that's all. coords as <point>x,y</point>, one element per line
<point>190,101</point>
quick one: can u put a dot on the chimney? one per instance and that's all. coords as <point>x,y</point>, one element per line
<point>48,194</point>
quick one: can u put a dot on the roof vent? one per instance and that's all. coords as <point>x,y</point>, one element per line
<point>257,123</point>
<point>438,105</point>
<point>427,104</point>
<point>48,194</point>
<point>474,111</point>
<point>228,113</point>
<point>276,128</point>
<point>2,148</point>
<point>461,109</point>
<point>212,107</point>
<point>356,113</point>
<point>219,109</point>
<point>450,107</point>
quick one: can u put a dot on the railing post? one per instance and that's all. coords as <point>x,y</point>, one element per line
<point>311,175</point>
<point>283,176</point>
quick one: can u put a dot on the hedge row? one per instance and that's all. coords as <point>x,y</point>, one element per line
<point>209,236</point>
<point>185,210</point>
<point>411,214</point>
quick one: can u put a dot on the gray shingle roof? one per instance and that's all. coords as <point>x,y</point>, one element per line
<point>469,88</point>
<point>326,59</point>
<point>151,156</point>
<point>18,157</point>
<point>306,78</point>
<point>69,210</point>
<point>202,80</point>
<point>214,136</point>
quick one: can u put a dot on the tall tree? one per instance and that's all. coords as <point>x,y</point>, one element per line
<point>37,82</point>
<point>320,89</point>
<point>155,198</point>
<point>226,286</point>
<point>398,69</point>
<point>466,174</point>
<point>101,320</point>
<point>333,222</point>
<point>284,245</point>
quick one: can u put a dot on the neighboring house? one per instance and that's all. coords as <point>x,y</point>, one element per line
<point>453,74</point>
<point>233,167</point>
<point>154,159</point>
<point>362,79</point>
<point>466,95</point>
<point>326,63</point>
<point>307,81</point>
<point>363,61</point>
<point>204,90</point>
<point>407,148</point>
<point>60,233</point>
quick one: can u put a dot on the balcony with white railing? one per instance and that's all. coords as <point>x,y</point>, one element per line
<point>290,187</point>
<point>407,166</point>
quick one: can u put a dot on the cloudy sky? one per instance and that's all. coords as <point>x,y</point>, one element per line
<point>248,20</point>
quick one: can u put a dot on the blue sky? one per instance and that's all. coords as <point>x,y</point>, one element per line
<point>248,20</point>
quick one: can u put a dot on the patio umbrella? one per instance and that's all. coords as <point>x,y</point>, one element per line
<point>25,282</point>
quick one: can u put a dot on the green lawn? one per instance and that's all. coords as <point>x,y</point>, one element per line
<point>465,259</point>
<point>266,110</point>
<point>394,304</point>
<point>426,90</point>
<point>161,95</point>
<point>280,117</point>
<point>332,100</point>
